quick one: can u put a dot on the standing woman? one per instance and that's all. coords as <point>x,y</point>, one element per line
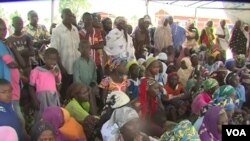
<point>163,35</point>
<point>238,40</point>
<point>118,42</point>
<point>207,35</point>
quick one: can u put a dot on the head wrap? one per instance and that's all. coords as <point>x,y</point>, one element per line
<point>162,56</point>
<point>229,77</point>
<point>224,92</point>
<point>209,84</point>
<point>184,131</point>
<point>114,62</point>
<point>121,116</point>
<point>229,62</point>
<point>130,63</point>
<point>8,133</point>
<point>119,20</point>
<point>149,61</point>
<point>39,128</point>
<point>147,18</point>
<point>141,61</point>
<point>117,99</point>
<point>240,60</point>
<point>209,126</point>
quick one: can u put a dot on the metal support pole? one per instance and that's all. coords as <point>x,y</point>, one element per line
<point>52,11</point>
<point>146,2</point>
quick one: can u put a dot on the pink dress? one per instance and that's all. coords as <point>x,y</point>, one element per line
<point>45,83</point>
<point>199,102</point>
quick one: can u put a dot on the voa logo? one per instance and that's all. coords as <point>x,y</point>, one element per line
<point>236,132</point>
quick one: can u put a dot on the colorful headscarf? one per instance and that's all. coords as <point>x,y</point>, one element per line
<point>209,129</point>
<point>8,133</point>
<point>240,60</point>
<point>209,84</point>
<point>224,92</point>
<point>114,62</point>
<point>184,131</point>
<point>54,116</point>
<point>149,61</point>
<point>39,128</point>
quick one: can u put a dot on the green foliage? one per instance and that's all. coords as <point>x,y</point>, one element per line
<point>76,6</point>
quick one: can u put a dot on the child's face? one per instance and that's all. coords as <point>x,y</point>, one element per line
<point>235,81</point>
<point>134,70</point>
<point>154,90</point>
<point>154,68</point>
<point>5,93</point>
<point>83,95</point>
<point>85,50</point>
<point>122,68</point>
<point>51,60</point>
<point>33,18</point>
<point>18,25</point>
<point>3,30</point>
<point>194,60</point>
<point>46,135</point>
<point>173,81</point>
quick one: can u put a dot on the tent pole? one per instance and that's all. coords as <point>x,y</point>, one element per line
<point>52,10</point>
<point>146,2</point>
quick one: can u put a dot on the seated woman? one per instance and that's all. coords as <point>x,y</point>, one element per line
<point>79,107</point>
<point>115,99</point>
<point>66,128</point>
<point>183,131</point>
<point>211,128</point>
<point>177,100</point>
<point>42,131</point>
<point>125,123</point>
<point>202,99</point>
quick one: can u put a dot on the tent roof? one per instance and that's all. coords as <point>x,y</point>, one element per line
<point>202,4</point>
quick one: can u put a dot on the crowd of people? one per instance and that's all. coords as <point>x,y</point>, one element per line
<point>101,80</point>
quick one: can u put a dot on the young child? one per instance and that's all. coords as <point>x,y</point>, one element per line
<point>7,113</point>
<point>22,43</point>
<point>209,64</point>
<point>84,68</point>
<point>133,74</point>
<point>44,81</point>
<point>116,78</point>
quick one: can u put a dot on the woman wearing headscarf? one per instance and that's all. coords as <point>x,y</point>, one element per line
<point>222,34</point>
<point>202,99</point>
<point>125,126</point>
<point>238,40</point>
<point>66,127</point>
<point>207,35</point>
<point>220,75</point>
<point>211,128</point>
<point>192,35</point>
<point>184,131</point>
<point>42,131</point>
<point>118,42</point>
<point>163,35</point>
<point>185,71</point>
<point>234,80</point>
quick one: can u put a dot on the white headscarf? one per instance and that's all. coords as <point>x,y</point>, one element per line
<point>117,99</point>
<point>117,46</point>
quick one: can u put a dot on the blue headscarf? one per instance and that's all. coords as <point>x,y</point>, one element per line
<point>229,62</point>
